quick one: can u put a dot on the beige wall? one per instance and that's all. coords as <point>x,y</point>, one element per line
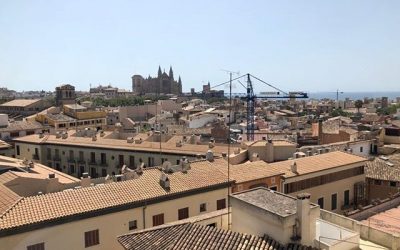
<point>26,151</point>
<point>325,191</point>
<point>71,235</point>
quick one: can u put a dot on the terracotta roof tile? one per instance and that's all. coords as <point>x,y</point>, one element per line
<point>380,169</point>
<point>53,206</point>
<point>316,163</point>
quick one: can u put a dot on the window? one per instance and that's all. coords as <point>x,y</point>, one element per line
<point>92,157</point>
<point>183,213</point>
<point>158,220</point>
<point>103,158</point>
<point>103,172</point>
<point>81,156</point>
<point>347,197</point>
<point>92,238</point>
<point>273,180</point>
<point>72,169</point>
<point>321,202</point>
<point>49,154</point>
<point>393,184</point>
<point>133,225</point>
<point>39,246</point>
<point>203,207</point>
<point>132,161</point>
<point>120,160</point>
<point>361,149</point>
<point>18,150</point>
<point>71,155</point>
<point>334,202</point>
<point>151,161</point>
<point>275,188</point>
<point>221,204</point>
<point>212,225</point>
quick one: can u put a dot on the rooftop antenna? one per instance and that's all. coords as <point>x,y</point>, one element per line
<point>229,135</point>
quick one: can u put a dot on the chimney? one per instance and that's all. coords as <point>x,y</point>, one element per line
<point>210,156</point>
<point>41,135</point>
<point>264,138</point>
<point>198,156</point>
<point>320,133</point>
<point>295,155</point>
<point>309,153</point>
<point>224,154</point>
<point>327,150</point>
<point>306,228</point>
<point>64,135</point>
<point>270,151</point>
<point>129,140</point>
<point>254,157</point>
<point>85,180</point>
<point>94,138</point>
<point>350,150</point>
<point>164,181</point>
<point>52,183</point>
<point>293,167</point>
<point>320,151</point>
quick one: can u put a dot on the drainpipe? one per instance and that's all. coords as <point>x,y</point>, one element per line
<point>144,215</point>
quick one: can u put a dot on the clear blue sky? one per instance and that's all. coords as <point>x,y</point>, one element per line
<point>296,45</point>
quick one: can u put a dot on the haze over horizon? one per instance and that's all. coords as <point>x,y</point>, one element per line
<point>312,46</point>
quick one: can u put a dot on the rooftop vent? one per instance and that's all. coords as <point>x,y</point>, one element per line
<point>129,140</point>
<point>309,153</point>
<point>58,135</point>
<point>210,155</point>
<point>236,151</point>
<point>211,144</point>
<point>139,169</point>
<point>94,138</point>
<point>138,141</point>
<point>224,154</point>
<point>384,158</point>
<point>179,144</point>
<point>64,135</point>
<point>102,134</point>
<point>389,164</point>
<point>198,156</point>
<point>164,181</point>
<point>320,151</point>
<point>293,167</point>
<point>85,175</point>
<point>41,135</point>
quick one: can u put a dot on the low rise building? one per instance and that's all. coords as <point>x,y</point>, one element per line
<point>94,215</point>
<point>335,180</point>
<point>102,153</point>
<point>20,108</point>
<point>13,129</point>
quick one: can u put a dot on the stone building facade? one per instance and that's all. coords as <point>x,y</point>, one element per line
<point>162,84</point>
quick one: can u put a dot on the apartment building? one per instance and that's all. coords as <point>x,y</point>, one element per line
<point>104,153</point>
<point>335,180</point>
<point>94,216</point>
<point>23,107</point>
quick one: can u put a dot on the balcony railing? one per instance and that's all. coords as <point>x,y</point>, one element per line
<point>56,158</point>
<point>35,157</point>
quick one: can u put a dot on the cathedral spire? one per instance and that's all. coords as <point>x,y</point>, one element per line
<point>159,71</point>
<point>171,73</point>
<point>179,81</point>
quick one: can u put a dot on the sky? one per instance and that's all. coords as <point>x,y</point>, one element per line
<point>294,45</point>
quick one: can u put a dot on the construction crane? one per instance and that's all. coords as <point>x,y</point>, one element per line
<point>251,98</point>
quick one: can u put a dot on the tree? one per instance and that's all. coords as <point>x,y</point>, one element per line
<point>358,104</point>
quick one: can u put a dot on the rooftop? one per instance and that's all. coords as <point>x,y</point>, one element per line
<point>45,209</point>
<point>119,144</point>
<point>384,168</point>
<point>317,163</point>
<point>387,221</point>
<point>21,125</point>
<point>194,236</point>
<point>20,102</point>
<point>269,200</point>
<point>244,172</point>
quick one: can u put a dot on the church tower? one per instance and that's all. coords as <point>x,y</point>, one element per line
<point>171,73</point>
<point>159,71</point>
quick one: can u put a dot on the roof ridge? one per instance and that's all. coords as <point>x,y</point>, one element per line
<point>11,207</point>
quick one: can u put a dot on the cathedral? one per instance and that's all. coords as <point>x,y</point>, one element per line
<point>162,84</point>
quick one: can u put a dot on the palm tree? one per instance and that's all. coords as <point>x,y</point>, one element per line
<point>358,104</point>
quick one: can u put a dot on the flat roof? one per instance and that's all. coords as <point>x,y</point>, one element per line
<point>269,200</point>
<point>20,102</point>
<point>315,163</point>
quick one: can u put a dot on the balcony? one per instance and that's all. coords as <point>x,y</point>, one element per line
<point>81,161</point>
<point>93,163</point>
<point>71,160</point>
<point>35,157</point>
<point>56,158</point>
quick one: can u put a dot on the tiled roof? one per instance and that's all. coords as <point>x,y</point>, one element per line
<point>387,221</point>
<point>22,125</point>
<point>244,172</point>
<point>145,146</point>
<point>7,198</point>
<point>20,102</point>
<point>194,236</point>
<point>104,198</point>
<point>384,170</point>
<point>317,163</point>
